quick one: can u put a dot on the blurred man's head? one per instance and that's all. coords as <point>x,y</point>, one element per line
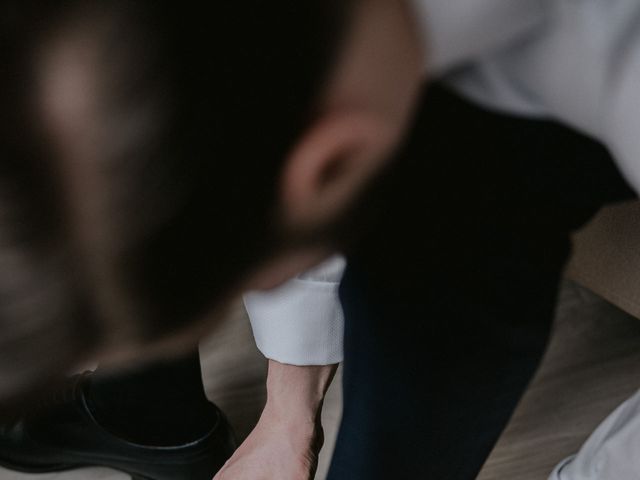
<point>160,158</point>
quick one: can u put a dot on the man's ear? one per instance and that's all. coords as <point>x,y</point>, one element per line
<point>331,164</point>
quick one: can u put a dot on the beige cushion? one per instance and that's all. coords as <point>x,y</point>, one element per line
<point>607,256</point>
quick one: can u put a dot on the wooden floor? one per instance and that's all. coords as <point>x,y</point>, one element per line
<point>593,364</point>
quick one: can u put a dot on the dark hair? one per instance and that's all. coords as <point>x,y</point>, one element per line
<point>198,106</point>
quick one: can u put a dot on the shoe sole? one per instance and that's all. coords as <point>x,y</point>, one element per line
<point>39,469</point>
<point>62,468</point>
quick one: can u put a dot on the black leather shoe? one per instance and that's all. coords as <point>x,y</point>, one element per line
<point>67,436</point>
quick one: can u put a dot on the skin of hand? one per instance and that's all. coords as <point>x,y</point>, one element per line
<point>286,442</point>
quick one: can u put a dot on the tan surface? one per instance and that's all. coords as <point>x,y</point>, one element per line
<point>593,364</point>
<point>607,256</point>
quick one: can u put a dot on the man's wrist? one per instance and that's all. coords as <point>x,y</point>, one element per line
<point>296,393</point>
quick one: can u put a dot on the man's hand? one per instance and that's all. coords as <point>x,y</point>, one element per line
<point>288,437</point>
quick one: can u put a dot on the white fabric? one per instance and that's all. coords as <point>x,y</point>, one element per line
<point>577,61</point>
<point>301,322</point>
<point>612,451</point>
<point>456,31</point>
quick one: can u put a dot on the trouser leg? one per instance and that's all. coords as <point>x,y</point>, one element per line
<point>429,388</point>
<point>449,301</point>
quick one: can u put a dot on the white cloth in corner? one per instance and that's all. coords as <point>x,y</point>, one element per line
<point>301,322</point>
<point>613,450</point>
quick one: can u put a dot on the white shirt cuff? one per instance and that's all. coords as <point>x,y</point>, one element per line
<point>301,322</point>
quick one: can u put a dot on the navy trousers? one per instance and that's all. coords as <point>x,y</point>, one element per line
<point>450,295</point>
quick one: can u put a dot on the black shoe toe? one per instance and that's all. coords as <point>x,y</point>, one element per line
<point>67,436</point>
